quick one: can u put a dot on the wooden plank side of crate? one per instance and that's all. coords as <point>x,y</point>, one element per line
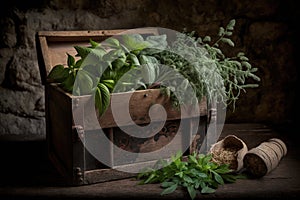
<point>119,170</point>
<point>59,130</point>
<point>140,102</point>
<point>65,138</point>
<point>43,57</point>
<point>135,111</point>
<point>83,35</point>
<point>103,175</point>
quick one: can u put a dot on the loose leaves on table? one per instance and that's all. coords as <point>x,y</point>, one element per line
<point>195,172</point>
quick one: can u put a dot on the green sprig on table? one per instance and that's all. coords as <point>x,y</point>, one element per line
<point>195,173</point>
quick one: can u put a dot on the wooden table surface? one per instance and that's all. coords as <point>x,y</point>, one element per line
<point>26,173</point>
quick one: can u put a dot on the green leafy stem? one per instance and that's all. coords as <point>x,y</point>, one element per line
<point>196,173</point>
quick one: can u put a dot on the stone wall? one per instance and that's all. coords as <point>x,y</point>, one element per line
<point>265,31</point>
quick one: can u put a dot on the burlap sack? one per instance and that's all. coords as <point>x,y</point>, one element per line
<point>230,150</point>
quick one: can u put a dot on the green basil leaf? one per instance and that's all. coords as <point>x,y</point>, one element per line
<point>134,42</point>
<point>112,42</point>
<point>118,63</point>
<point>82,51</point>
<point>71,60</point>
<point>109,84</point>
<point>68,83</point>
<point>84,83</point>
<point>58,74</point>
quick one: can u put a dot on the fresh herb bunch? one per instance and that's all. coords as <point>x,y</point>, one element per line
<point>206,68</point>
<point>210,72</point>
<point>100,67</point>
<point>196,173</point>
<point>234,70</point>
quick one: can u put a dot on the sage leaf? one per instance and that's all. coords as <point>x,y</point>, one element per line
<point>221,31</point>
<point>228,41</point>
<point>207,190</point>
<point>231,25</point>
<point>192,192</point>
<point>169,190</point>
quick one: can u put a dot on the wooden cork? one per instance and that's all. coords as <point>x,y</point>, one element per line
<point>262,159</point>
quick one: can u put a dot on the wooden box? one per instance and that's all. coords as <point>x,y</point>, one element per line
<point>67,128</point>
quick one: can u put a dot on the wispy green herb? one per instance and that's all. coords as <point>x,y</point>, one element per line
<point>210,72</point>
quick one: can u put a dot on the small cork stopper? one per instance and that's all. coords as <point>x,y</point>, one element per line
<point>262,159</point>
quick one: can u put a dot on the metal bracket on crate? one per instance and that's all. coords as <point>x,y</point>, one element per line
<point>79,152</point>
<point>211,133</point>
<point>78,132</point>
<point>78,176</point>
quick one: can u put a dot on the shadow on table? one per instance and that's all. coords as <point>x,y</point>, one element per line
<point>26,163</point>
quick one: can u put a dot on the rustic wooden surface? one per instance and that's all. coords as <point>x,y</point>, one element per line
<point>26,173</point>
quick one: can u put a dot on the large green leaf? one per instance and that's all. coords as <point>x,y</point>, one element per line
<point>134,42</point>
<point>58,74</point>
<point>158,42</point>
<point>112,42</point>
<point>68,83</point>
<point>84,83</point>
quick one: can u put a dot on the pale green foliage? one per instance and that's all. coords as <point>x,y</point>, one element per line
<point>211,73</point>
<point>234,70</point>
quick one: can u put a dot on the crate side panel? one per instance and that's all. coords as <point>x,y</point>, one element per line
<point>133,108</point>
<point>59,138</point>
<point>169,139</point>
<point>198,131</point>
